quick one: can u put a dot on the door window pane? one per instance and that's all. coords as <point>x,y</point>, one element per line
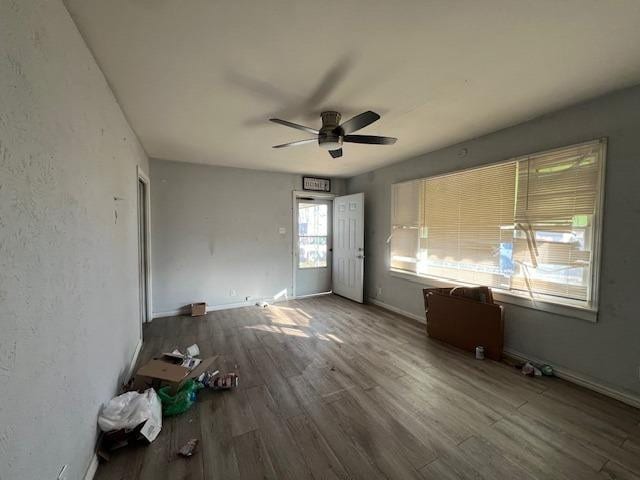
<point>313,252</point>
<point>313,229</point>
<point>312,220</point>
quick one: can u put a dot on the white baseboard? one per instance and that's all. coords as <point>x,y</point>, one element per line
<point>311,295</point>
<point>134,360</point>
<point>579,379</point>
<point>397,310</point>
<point>92,469</point>
<point>224,306</point>
<point>170,313</point>
<point>560,372</point>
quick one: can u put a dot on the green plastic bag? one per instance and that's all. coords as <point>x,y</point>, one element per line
<point>180,402</point>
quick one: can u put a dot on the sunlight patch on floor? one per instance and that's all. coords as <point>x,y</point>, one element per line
<point>294,332</point>
<point>334,338</point>
<point>302,312</point>
<point>286,316</point>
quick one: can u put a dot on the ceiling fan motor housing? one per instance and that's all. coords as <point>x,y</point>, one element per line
<point>330,136</point>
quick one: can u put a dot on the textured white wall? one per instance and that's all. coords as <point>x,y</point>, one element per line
<point>608,351</point>
<point>68,271</point>
<point>216,230</point>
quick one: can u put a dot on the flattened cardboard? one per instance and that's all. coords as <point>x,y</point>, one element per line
<point>464,323</point>
<point>162,371</point>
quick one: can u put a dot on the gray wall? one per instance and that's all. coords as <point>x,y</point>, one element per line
<point>608,351</point>
<point>69,320</point>
<point>215,234</point>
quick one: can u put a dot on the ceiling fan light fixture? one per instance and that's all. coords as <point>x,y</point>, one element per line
<point>330,141</point>
<point>330,145</point>
<point>333,133</point>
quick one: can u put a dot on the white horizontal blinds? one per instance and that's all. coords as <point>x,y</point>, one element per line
<point>468,225</point>
<point>557,197</point>
<point>405,214</point>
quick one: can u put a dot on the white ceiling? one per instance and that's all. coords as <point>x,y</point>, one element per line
<point>198,79</point>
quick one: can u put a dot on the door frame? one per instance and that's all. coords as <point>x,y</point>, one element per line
<point>294,230</point>
<point>141,176</point>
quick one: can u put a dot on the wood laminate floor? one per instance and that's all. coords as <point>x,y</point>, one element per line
<point>330,389</point>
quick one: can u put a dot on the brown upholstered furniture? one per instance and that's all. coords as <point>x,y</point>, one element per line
<point>463,322</point>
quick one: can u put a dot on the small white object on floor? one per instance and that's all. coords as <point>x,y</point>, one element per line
<point>193,350</point>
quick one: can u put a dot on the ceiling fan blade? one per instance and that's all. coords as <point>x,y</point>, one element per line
<point>296,143</point>
<point>358,122</point>
<point>370,139</point>
<point>336,153</point>
<point>295,125</point>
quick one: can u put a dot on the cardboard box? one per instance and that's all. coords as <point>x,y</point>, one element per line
<point>463,322</point>
<point>198,309</point>
<point>163,371</point>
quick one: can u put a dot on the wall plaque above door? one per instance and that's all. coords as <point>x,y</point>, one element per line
<point>316,184</point>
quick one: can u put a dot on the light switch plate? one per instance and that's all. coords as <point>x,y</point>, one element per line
<point>282,230</point>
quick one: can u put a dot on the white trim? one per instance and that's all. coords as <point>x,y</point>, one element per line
<point>397,310</point>
<point>311,295</point>
<point>142,175</point>
<point>229,306</point>
<point>225,306</point>
<point>134,360</point>
<point>502,296</point>
<point>321,195</point>
<point>597,229</point>
<point>294,228</point>
<point>170,313</point>
<point>582,380</point>
<point>92,468</point>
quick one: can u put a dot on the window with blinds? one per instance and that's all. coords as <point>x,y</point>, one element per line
<point>406,206</point>
<point>527,225</point>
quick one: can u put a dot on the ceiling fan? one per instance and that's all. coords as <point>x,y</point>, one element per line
<point>333,134</point>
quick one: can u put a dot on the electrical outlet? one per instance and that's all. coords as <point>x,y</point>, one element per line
<point>233,293</point>
<point>379,291</point>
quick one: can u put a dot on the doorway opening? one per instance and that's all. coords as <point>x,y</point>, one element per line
<point>144,256</point>
<point>313,244</point>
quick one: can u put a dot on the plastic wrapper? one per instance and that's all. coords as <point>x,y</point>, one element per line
<point>181,401</point>
<point>127,411</point>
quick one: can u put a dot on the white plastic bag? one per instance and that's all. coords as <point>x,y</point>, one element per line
<point>130,410</point>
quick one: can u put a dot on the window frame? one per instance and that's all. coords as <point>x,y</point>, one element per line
<point>557,305</point>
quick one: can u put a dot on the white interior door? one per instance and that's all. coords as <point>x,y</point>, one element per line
<point>348,246</point>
